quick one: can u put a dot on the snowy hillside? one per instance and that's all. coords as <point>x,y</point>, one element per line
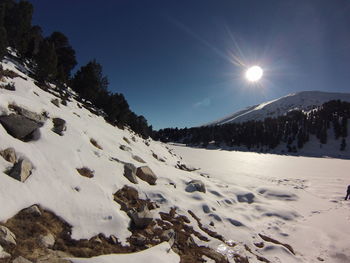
<point>306,101</point>
<point>77,189</point>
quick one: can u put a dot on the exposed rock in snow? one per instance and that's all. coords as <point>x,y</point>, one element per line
<point>19,126</point>
<point>7,237</point>
<point>47,240</point>
<point>125,148</point>
<point>59,126</point>
<point>9,154</point>
<point>138,159</point>
<point>146,174</point>
<point>141,218</point>
<point>195,185</point>
<point>33,210</point>
<point>4,254</point>
<point>130,172</point>
<point>21,170</point>
<point>39,118</point>
<point>56,102</point>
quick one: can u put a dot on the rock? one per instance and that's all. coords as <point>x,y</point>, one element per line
<point>125,148</point>
<point>169,235</point>
<point>21,260</point>
<point>4,254</point>
<point>146,174</point>
<point>59,126</point>
<point>139,240</point>
<point>142,218</point>
<point>19,126</point>
<point>126,140</point>
<point>33,210</point>
<point>9,155</point>
<point>129,172</point>
<point>21,170</point>
<point>7,237</point>
<point>47,241</point>
<point>55,102</point>
<point>54,256</point>
<point>196,185</point>
<point>113,239</point>
<point>39,118</point>
<point>96,240</point>
<point>138,159</point>
<point>9,86</point>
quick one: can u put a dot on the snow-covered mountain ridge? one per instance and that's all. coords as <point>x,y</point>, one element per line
<point>305,101</point>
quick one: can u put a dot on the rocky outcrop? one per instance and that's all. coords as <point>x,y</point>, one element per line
<point>21,170</point>
<point>55,102</point>
<point>19,126</point>
<point>4,254</point>
<point>59,126</point>
<point>7,238</point>
<point>146,174</point>
<point>195,185</point>
<point>130,172</point>
<point>9,154</point>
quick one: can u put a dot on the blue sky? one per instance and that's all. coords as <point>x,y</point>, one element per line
<point>181,63</point>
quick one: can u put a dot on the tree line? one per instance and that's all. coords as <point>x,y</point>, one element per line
<point>293,130</point>
<point>52,59</point>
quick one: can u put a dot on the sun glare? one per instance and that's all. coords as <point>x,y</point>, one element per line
<point>254,73</point>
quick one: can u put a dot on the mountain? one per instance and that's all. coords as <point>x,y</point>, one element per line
<point>305,101</point>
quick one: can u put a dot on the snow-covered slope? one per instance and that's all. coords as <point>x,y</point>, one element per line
<point>306,101</point>
<point>252,206</point>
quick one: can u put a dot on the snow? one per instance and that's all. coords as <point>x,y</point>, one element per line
<point>305,100</point>
<point>295,200</point>
<point>298,200</point>
<point>159,253</point>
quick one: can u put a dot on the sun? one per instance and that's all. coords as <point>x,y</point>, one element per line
<point>254,73</point>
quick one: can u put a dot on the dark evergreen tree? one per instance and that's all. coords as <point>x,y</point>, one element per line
<point>66,60</point>
<point>35,37</point>
<point>46,60</point>
<point>18,18</point>
<point>89,81</point>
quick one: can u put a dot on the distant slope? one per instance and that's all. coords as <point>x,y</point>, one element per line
<point>305,100</point>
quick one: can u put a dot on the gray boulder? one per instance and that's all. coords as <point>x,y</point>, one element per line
<point>195,185</point>
<point>19,126</point>
<point>59,126</point>
<point>129,172</point>
<point>7,237</point>
<point>21,170</point>
<point>141,218</point>
<point>146,174</point>
<point>9,155</point>
<point>21,260</point>
<point>39,118</point>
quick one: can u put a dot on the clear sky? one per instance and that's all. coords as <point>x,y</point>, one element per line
<point>181,63</point>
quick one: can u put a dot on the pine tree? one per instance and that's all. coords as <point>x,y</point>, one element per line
<point>46,60</point>
<point>66,60</point>
<point>89,81</point>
